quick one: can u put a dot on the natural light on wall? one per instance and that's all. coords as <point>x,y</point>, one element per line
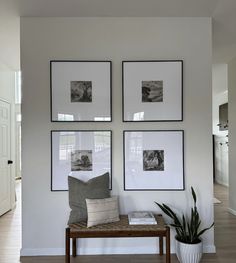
<point>18,118</point>
<point>18,87</point>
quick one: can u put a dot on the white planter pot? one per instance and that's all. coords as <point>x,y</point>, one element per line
<point>188,253</point>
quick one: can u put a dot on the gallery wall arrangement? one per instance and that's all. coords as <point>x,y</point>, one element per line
<point>80,91</point>
<point>152,91</point>
<point>153,160</point>
<point>81,154</point>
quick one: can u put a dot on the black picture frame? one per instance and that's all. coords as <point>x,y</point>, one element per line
<point>60,169</point>
<point>133,160</point>
<point>223,117</point>
<point>69,77</point>
<point>162,107</point>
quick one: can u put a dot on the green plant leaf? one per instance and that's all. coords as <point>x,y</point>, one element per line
<point>184,223</point>
<point>194,195</point>
<point>171,212</point>
<point>187,229</point>
<point>204,230</point>
<point>176,226</point>
<point>166,211</point>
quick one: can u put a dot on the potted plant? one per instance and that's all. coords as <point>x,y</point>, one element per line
<point>188,232</point>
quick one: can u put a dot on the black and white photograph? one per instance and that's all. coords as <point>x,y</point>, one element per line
<point>81,160</point>
<point>152,91</point>
<point>153,160</point>
<point>83,154</point>
<point>81,91</point>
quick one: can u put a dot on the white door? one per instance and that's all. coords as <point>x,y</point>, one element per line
<point>5,172</point>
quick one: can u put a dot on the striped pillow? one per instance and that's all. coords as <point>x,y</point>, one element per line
<point>102,211</point>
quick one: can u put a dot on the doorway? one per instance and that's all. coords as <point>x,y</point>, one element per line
<point>5,156</point>
<point>220,124</point>
<point>10,166</point>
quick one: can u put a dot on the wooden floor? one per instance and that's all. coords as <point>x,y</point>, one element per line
<point>225,239</point>
<point>10,232</point>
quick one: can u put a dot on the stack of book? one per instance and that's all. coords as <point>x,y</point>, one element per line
<point>142,218</point>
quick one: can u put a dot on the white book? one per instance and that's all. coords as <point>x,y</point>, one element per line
<point>143,223</point>
<point>143,217</point>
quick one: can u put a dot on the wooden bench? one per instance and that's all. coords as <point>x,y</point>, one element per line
<point>118,229</point>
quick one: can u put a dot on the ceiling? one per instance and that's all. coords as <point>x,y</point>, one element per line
<point>117,8</point>
<point>223,13</point>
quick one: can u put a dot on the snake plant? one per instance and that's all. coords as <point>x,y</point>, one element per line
<point>187,229</point>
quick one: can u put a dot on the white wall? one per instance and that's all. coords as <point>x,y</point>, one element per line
<point>232,135</point>
<point>7,83</point>
<point>10,41</point>
<point>45,213</point>
<point>219,78</point>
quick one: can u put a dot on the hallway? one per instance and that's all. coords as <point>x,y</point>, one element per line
<point>225,228</point>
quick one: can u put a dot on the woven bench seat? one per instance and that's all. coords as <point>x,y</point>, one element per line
<point>118,229</point>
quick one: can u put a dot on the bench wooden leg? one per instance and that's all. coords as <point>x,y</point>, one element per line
<point>74,247</point>
<point>161,246</point>
<point>168,258</point>
<point>67,256</point>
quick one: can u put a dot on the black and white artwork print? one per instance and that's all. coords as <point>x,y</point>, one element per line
<point>153,160</point>
<point>152,91</point>
<point>81,160</point>
<point>81,91</point>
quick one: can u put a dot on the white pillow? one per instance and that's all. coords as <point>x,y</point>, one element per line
<point>101,211</point>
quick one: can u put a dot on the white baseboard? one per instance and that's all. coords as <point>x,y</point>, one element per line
<point>88,251</point>
<point>233,212</point>
<point>209,249</point>
<point>27,252</point>
<point>222,183</point>
<point>101,251</point>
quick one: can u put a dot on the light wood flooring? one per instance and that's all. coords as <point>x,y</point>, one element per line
<point>10,232</point>
<point>225,235</point>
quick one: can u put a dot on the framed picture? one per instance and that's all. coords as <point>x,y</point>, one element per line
<point>80,91</point>
<point>152,90</point>
<point>153,160</point>
<point>81,154</point>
